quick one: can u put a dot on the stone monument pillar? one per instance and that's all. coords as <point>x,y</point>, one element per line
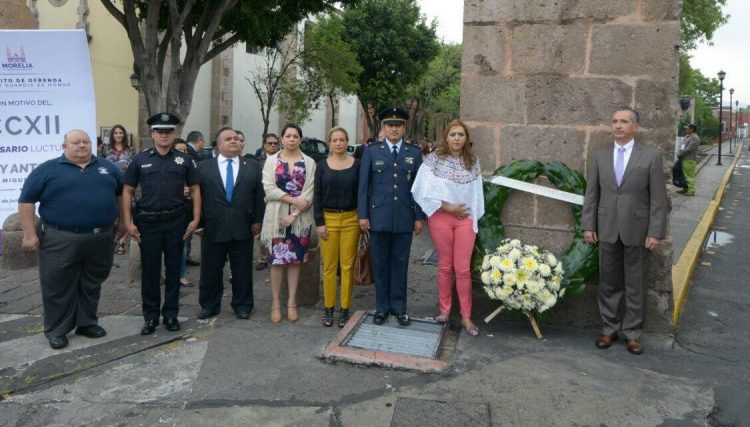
<point>540,80</point>
<point>15,15</point>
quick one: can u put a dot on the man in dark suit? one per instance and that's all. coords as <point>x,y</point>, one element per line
<point>232,217</point>
<point>625,213</point>
<point>195,143</point>
<point>388,213</point>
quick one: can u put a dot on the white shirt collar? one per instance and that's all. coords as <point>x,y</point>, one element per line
<point>628,147</point>
<point>391,145</point>
<point>222,159</point>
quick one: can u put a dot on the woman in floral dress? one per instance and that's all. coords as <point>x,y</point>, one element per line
<point>288,183</point>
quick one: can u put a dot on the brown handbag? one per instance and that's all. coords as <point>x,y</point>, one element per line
<point>363,262</point>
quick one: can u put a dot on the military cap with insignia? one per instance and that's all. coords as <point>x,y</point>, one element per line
<point>393,115</point>
<point>163,121</point>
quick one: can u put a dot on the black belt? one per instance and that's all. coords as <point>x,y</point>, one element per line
<point>338,210</point>
<point>79,230</point>
<point>160,216</point>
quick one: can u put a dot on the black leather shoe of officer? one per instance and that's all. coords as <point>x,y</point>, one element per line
<point>149,327</point>
<point>172,324</point>
<point>404,319</point>
<point>206,313</point>
<point>243,314</point>
<point>192,263</point>
<point>58,342</point>
<point>91,331</point>
<point>379,318</point>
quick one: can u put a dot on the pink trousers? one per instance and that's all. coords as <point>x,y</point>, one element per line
<point>454,240</point>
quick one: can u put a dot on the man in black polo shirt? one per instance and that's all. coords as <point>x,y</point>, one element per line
<point>161,218</point>
<point>77,195</point>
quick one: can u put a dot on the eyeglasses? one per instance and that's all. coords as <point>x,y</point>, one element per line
<point>272,143</point>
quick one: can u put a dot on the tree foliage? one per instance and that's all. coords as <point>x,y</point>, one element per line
<point>394,45</point>
<point>157,30</point>
<point>436,96</point>
<point>276,79</point>
<point>699,20</point>
<point>329,64</point>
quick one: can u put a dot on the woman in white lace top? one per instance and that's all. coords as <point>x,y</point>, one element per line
<point>448,188</point>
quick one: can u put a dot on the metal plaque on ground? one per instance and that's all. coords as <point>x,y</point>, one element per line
<point>416,347</point>
<point>421,338</point>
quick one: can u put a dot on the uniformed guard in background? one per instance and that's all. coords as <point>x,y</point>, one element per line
<point>160,224</point>
<point>388,213</point>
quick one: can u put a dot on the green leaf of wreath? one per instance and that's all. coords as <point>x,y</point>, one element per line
<point>580,260</point>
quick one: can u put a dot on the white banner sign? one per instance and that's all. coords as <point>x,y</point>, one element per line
<point>538,189</point>
<point>46,89</point>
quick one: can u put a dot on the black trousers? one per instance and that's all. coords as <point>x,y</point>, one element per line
<point>213,257</point>
<point>72,268</point>
<point>157,238</point>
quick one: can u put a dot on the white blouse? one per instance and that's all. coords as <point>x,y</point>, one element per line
<point>447,180</point>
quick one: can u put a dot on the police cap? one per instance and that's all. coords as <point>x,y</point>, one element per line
<point>393,115</point>
<point>164,121</point>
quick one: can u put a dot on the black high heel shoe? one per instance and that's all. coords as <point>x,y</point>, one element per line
<point>343,317</point>
<point>328,317</point>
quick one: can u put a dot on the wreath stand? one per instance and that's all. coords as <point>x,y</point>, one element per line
<point>533,321</point>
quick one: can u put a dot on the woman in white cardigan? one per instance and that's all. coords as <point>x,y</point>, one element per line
<point>288,183</point>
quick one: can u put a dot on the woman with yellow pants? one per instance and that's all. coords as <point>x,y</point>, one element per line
<point>335,206</point>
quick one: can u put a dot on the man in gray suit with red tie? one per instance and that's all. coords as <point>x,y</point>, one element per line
<point>232,214</point>
<point>625,213</point>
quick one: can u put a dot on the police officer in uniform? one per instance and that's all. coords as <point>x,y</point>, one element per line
<point>388,213</point>
<point>160,224</point>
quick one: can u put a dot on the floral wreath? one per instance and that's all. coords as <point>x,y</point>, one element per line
<point>580,260</point>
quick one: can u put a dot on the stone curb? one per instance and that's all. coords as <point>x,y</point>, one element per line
<point>682,271</point>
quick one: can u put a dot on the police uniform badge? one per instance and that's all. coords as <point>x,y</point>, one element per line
<point>103,171</point>
<point>165,117</point>
<point>409,160</point>
<point>179,160</point>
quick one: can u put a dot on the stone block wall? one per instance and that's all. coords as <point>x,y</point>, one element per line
<point>540,81</point>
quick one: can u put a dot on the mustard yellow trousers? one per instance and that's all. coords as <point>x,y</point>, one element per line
<point>340,248</point>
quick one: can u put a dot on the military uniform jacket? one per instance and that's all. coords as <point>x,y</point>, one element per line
<point>384,195</point>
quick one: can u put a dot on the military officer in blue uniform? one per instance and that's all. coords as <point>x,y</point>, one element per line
<point>388,213</point>
<point>161,218</point>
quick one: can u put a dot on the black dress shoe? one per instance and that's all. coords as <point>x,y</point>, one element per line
<point>91,331</point>
<point>149,327</point>
<point>206,313</point>
<point>243,314</point>
<point>379,318</point>
<point>58,342</point>
<point>404,319</point>
<point>192,262</point>
<point>172,324</point>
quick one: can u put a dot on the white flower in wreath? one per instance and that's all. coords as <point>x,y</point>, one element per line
<point>561,293</point>
<point>527,303</point>
<point>503,293</point>
<point>554,283</point>
<point>495,261</point>
<point>503,248</point>
<point>545,270</point>
<point>533,286</point>
<point>522,276</point>
<point>486,278</point>
<point>547,298</point>
<point>551,260</point>
<point>529,263</point>
<point>515,243</point>
<point>486,263</point>
<point>514,254</point>
<point>495,276</point>
<point>507,264</point>
<point>509,279</point>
